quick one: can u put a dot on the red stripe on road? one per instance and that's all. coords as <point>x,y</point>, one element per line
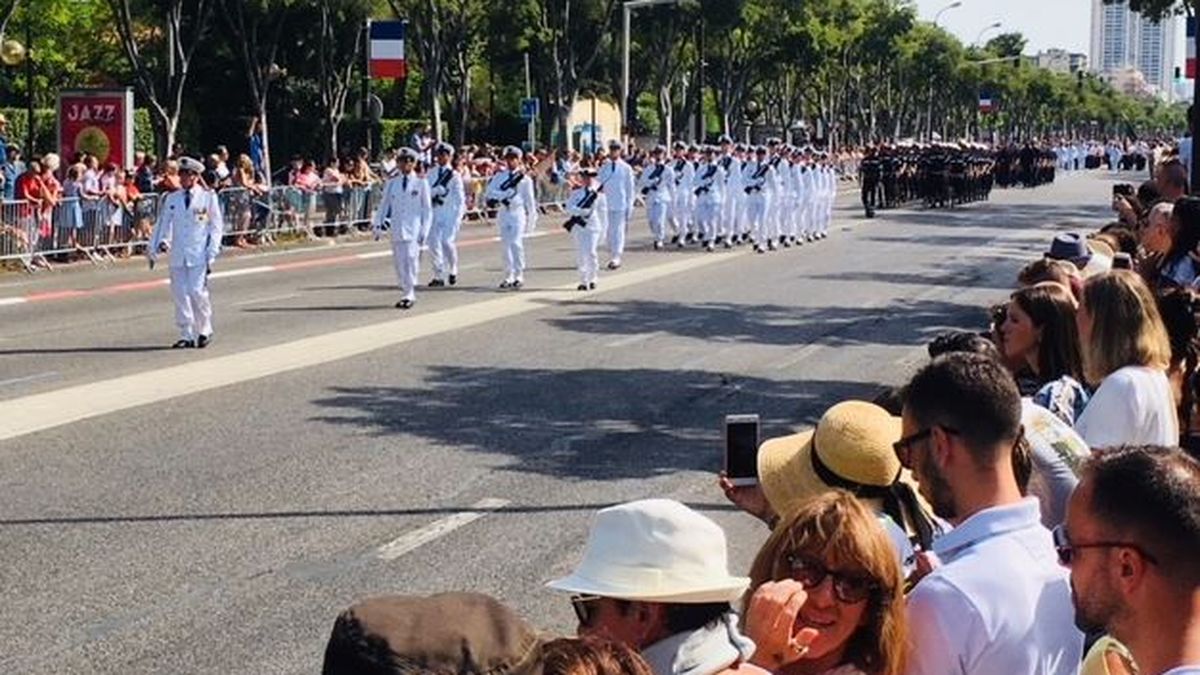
<point>56,295</point>
<point>319,262</point>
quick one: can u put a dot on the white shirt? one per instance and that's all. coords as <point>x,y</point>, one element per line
<point>192,226</point>
<point>1133,406</point>
<point>617,179</point>
<point>405,204</point>
<point>521,210</point>
<point>451,193</point>
<point>999,604</point>
<point>657,189</point>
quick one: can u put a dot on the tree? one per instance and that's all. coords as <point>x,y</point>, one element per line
<point>256,27</point>
<point>339,50</point>
<point>185,26</point>
<point>1009,45</point>
<point>7,10</point>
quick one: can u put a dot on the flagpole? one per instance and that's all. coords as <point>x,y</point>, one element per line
<point>366,91</point>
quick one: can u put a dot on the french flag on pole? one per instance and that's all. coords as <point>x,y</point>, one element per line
<point>387,50</point>
<point>1190,64</point>
<point>985,101</point>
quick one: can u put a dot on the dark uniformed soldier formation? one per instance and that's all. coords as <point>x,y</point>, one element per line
<point>944,175</point>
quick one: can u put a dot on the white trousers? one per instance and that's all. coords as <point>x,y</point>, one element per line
<point>756,214</point>
<point>618,220</point>
<point>656,212</point>
<point>587,239</point>
<point>406,258</point>
<point>681,213</point>
<point>707,214</point>
<point>443,246</point>
<point>193,306</point>
<point>512,241</point>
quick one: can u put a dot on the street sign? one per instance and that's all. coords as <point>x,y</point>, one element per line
<point>530,109</point>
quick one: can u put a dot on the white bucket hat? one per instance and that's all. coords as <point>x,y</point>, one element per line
<point>655,550</point>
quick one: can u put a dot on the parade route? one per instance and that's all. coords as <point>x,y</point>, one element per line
<point>212,511</point>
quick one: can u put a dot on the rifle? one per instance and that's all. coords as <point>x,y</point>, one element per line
<point>757,176</point>
<point>654,176</point>
<point>586,203</point>
<point>442,181</point>
<point>708,174</point>
<point>513,180</point>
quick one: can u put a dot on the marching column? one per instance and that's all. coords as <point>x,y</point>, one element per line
<point>655,184</point>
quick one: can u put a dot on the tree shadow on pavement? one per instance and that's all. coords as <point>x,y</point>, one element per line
<point>590,424</point>
<point>897,323</point>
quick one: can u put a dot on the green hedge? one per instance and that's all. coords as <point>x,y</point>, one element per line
<point>45,137</point>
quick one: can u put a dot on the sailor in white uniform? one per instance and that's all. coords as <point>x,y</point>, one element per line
<point>707,185</point>
<point>510,192</point>
<point>616,180</point>
<point>589,212</point>
<point>681,197</point>
<point>758,181</point>
<point>189,226</point>
<point>449,206</point>
<point>656,184</point>
<point>407,211</point>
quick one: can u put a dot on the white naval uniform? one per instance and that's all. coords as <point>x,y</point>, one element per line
<point>616,177</point>
<point>587,238</point>
<point>831,187</point>
<point>758,181</point>
<point>191,223</point>
<point>518,215</point>
<point>810,195</point>
<point>707,184</point>
<point>681,204</point>
<point>447,219</point>
<point>405,204</point>
<point>656,184</point>
<point>731,204</point>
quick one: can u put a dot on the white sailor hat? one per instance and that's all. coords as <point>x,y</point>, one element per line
<point>679,145</point>
<point>444,148</point>
<point>659,149</point>
<point>708,150</point>
<point>512,151</point>
<point>587,171</point>
<point>407,153</point>
<point>773,141</point>
<point>740,147</point>
<point>190,165</point>
<point>725,139</point>
<point>616,144</point>
<point>694,148</point>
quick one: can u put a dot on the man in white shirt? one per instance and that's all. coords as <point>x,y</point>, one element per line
<point>510,192</point>
<point>449,200</point>
<point>405,206</point>
<point>999,602</point>
<point>1132,541</point>
<point>616,180</point>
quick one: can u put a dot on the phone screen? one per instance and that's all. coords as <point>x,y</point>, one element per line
<point>741,447</point>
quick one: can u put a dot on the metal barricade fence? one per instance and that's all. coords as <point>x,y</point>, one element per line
<point>101,229</point>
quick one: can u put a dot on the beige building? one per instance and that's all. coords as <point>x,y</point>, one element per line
<point>579,123</point>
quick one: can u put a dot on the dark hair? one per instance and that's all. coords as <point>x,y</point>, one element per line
<point>1187,235</point>
<point>687,618</point>
<point>1173,173</point>
<point>591,656</point>
<point>1051,307</point>
<point>1151,495</point>
<point>1148,194</point>
<point>972,394</point>
<point>1120,237</point>
<point>1178,308</point>
<point>962,341</point>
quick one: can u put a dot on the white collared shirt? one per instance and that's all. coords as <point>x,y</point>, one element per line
<point>1000,603</point>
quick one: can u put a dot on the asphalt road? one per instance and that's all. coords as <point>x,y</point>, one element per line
<point>211,511</point>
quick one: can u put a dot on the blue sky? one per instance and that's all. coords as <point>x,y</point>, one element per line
<point>1046,23</point>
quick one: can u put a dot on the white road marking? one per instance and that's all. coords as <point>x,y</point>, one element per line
<point>805,352</point>
<point>272,298</point>
<point>38,412</point>
<point>246,271</point>
<point>12,301</point>
<point>410,541</point>
<point>632,339</point>
<point>375,254</point>
<point>30,378</point>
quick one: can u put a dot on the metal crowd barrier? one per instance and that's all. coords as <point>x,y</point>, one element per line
<point>100,230</point>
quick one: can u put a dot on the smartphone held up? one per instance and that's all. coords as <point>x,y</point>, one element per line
<point>741,449</point>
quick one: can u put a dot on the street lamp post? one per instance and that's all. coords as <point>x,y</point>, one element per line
<point>929,110</point>
<point>991,26</point>
<point>626,15</point>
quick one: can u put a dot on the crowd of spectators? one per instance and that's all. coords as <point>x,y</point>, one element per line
<point>1029,502</point>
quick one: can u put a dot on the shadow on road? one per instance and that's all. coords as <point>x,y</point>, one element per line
<point>588,424</point>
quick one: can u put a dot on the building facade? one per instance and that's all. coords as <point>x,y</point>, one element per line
<point>1123,39</point>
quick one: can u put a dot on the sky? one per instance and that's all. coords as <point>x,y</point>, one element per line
<point>1045,23</point>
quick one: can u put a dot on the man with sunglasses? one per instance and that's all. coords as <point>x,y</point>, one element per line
<point>999,602</point>
<point>655,577</point>
<point>1132,542</point>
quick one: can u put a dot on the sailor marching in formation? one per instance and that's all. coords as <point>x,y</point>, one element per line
<point>770,197</point>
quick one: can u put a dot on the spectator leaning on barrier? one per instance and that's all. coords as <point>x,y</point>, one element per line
<point>1132,542</point>
<point>12,168</point>
<point>655,577</point>
<point>961,424</point>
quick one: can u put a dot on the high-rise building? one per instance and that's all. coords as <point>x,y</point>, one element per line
<point>1123,39</point>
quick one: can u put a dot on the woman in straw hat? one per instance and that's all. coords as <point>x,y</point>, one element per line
<point>850,448</point>
<point>827,596</point>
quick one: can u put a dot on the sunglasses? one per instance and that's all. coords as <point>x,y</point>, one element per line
<point>1068,551</point>
<point>903,447</point>
<point>582,606</point>
<point>847,588</point>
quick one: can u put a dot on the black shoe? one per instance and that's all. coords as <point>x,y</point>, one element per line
<point>614,265</point>
<point>453,279</point>
<point>404,304</point>
<point>592,286</point>
<point>708,246</point>
<point>436,283</point>
<point>516,285</point>
<point>771,245</point>
<point>787,243</point>
<point>675,239</point>
<point>759,249</point>
<point>728,244</point>
<point>581,287</point>
<point>506,284</point>
<point>202,341</point>
<point>183,344</point>
<point>687,238</point>
<point>658,246</point>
